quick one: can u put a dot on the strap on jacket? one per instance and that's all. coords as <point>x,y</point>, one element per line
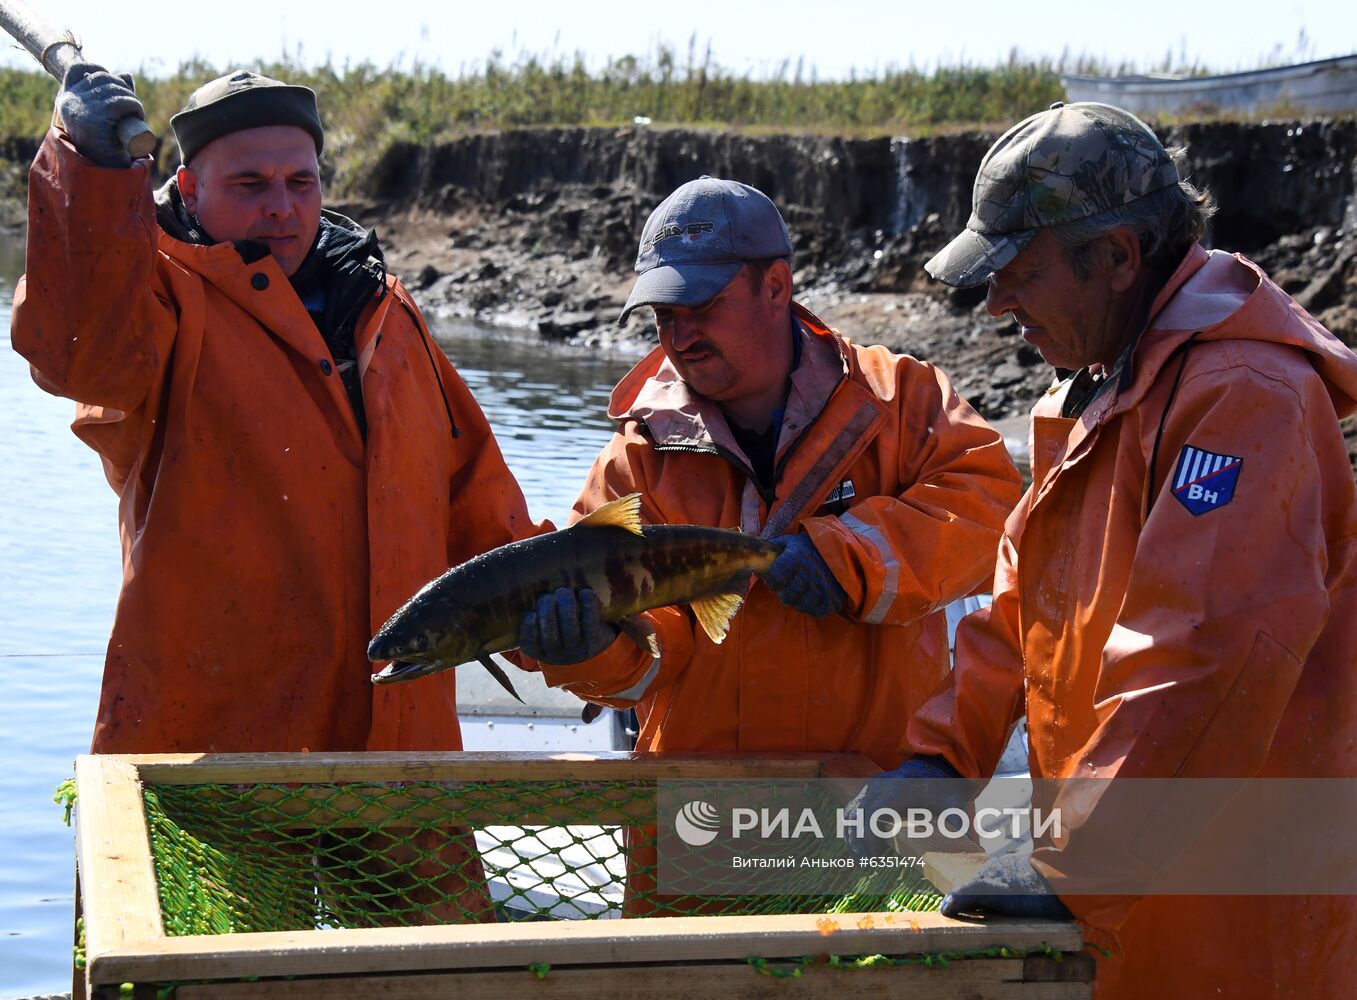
<point>1182,349</point>
<point>815,483</point>
<point>422,332</point>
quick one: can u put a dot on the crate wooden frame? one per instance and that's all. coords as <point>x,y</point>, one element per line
<point>125,941</point>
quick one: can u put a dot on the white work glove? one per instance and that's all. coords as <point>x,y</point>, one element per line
<point>90,104</point>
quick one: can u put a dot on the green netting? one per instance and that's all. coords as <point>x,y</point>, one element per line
<point>273,857</point>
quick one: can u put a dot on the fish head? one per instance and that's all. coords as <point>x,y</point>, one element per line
<point>433,645</point>
<point>432,632</point>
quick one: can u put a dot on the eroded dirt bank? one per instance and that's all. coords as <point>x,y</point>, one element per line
<point>538,228</point>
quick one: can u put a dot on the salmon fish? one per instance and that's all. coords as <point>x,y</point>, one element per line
<point>474,609</point>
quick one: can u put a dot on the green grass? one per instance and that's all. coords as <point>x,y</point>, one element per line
<point>534,91</point>
<point>367,108</point>
<point>668,87</point>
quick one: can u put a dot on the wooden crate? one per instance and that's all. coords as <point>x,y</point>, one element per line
<point>125,940</point>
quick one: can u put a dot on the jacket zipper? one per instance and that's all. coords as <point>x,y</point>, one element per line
<point>769,498</point>
<point>729,457</point>
<point>796,442</point>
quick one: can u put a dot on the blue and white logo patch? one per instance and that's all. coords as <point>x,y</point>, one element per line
<point>1204,480</point>
<point>841,493</point>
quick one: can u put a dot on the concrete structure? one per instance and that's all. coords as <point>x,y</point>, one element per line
<point>1323,87</point>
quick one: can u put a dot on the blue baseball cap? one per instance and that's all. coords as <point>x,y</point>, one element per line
<point>699,238</point>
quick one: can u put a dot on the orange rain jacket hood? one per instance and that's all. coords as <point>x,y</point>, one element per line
<point>264,541</point>
<point>1176,595</point>
<point>901,487</point>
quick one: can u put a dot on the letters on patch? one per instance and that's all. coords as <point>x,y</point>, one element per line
<point>841,493</point>
<point>1204,480</point>
<point>689,233</point>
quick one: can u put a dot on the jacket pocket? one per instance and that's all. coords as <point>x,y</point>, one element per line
<point>1235,745</point>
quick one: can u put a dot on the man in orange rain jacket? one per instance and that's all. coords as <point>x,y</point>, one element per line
<point>1175,594</point>
<point>294,455</point>
<point>886,489</point>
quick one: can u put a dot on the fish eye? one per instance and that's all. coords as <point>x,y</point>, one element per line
<point>423,642</point>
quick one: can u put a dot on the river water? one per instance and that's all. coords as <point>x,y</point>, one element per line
<point>60,568</point>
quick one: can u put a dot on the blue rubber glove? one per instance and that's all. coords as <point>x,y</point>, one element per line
<point>919,783</point>
<point>801,580</point>
<point>566,628</point>
<point>1007,885</point>
<point>90,104</point>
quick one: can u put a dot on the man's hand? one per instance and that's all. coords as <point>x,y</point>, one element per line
<point>90,104</point>
<point>566,628</point>
<point>1007,885</point>
<point>801,580</point>
<point>929,783</point>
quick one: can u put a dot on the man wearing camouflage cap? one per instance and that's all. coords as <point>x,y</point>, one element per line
<point>294,455</point>
<point>1175,594</point>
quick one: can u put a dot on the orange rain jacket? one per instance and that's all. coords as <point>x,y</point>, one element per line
<point>903,490</point>
<point>263,541</point>
<point>1155,641</point>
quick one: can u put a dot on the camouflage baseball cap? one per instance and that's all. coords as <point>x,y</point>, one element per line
<point>1067,163</point>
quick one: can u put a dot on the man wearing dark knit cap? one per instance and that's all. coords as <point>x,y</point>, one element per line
<point>294,454</point>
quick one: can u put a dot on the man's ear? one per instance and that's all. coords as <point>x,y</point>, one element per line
<point>188,188</point>
<point>1119,256</point>
<point>777,284</point>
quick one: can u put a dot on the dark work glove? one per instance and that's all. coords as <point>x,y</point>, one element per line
<point>1007,885</point>
<point>566,628</point>
<point>919,783</point>
<point>801,580</point>
<point>90,104</point>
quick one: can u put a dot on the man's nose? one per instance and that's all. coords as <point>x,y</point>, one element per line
<point>997,299</point>
<point>685,330</point>
<point>279,202</point>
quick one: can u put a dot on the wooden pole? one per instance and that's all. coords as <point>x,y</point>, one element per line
<point>56,51</point>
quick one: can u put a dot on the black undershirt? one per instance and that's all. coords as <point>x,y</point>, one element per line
<point>760,447</point>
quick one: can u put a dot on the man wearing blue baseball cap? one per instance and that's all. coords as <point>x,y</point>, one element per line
<point>886,491</point>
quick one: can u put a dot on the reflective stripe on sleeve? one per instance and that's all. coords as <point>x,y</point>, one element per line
<point>890,587</point>
<point>638,690</point>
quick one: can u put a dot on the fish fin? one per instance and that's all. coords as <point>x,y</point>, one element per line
<point>715,612</point>
<point>640,631</point>
<point>591,712</point>
<point>498,674</point>
<point>624,512</point>
<point>739,583</point>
